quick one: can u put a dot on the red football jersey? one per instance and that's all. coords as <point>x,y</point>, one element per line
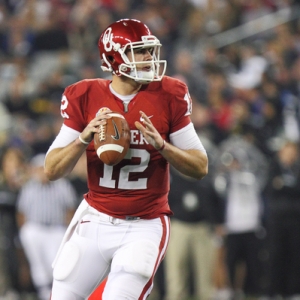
<point>139,184</point>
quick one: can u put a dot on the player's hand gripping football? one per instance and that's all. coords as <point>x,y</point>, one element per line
<point>87,134</point>
<point>150,133</point>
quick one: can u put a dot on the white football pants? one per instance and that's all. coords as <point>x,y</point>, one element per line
<point>129,252</point>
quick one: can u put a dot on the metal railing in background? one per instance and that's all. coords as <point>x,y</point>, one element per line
<point>256,26</point>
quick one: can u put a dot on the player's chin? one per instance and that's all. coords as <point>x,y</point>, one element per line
<point>145,76</point>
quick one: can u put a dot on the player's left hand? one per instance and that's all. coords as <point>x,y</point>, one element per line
<point>150,133</point>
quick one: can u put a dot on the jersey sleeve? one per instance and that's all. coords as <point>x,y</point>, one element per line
<point>73,105</point>
<point>180,104</point>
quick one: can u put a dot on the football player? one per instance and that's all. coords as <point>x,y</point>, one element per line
<point>121,229</point>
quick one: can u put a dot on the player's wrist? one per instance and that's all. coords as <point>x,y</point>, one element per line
<point>162,147</point>
<point>82,141</point>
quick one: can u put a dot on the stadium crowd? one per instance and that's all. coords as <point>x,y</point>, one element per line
<point>245,84</point>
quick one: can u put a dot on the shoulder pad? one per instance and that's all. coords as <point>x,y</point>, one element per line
<point>170,85</point>
<point>77,89</point>
<point>81,87</point>
<point>173,85</point>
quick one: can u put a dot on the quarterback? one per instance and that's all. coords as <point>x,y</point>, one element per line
<point>120,231</point>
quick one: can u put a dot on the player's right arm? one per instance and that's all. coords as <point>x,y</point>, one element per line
<point>68,147</point>
<point>76,132</point>
<point>60,162</point>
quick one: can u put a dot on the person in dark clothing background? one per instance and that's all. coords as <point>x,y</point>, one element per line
<point>12,177</point>
<point>283,222</point>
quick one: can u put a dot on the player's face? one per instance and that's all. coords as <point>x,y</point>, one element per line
<point>141,55</point>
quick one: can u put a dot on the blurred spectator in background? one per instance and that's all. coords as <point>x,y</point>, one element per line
<point>291,104</point>
<point>240,178</point>
<point>268,126</point>
<point>190,259</point>
<point>219,103</point>
<point>13,176</point>
<point>44,209</point>
<point>251,69</point>
<point>283,222</point>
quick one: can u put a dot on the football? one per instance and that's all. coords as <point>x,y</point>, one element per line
<point>113,140</point>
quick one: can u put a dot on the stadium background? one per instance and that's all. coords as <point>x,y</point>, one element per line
<point>239,58</point>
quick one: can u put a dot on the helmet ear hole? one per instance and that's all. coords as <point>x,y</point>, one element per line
<point>111,59</point>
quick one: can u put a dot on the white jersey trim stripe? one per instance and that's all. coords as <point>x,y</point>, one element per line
<point>164,242</point>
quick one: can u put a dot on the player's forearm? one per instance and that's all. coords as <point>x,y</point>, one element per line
<point>193,163</point>
<point>61,161</point>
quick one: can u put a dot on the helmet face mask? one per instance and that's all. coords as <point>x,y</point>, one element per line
<point>128,36</point>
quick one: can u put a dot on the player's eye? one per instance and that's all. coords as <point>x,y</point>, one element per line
<point>151,50</point>
<point>144,50</point>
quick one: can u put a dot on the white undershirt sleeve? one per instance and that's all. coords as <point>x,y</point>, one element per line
<point>187,138</point>
<point>65,136</point>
